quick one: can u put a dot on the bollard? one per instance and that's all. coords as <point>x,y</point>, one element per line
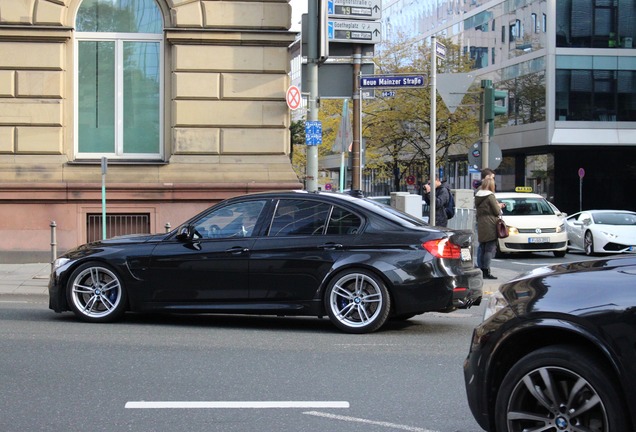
<point>53,243</point>
<point>167,227</point>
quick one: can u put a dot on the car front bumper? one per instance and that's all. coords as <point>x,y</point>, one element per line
<point>534,242</point>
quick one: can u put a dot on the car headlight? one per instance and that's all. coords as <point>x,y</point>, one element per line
<point>560,228</point>
<point>59,263</point>
<point>512,230</point>
<point>609,235</point>
<point>496,302</point>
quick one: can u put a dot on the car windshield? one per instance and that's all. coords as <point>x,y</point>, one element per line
<point>614,218</point>
<point>526,207</point>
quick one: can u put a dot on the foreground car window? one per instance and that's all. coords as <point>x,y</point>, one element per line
<point>304,217</point>
<point>343,222</point>
<point>299,217</point>
<point>235,220</point>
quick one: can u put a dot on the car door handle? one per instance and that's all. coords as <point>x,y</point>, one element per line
<point>237,250</point>
<point>331,246</point>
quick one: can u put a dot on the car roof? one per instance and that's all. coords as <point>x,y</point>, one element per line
<point>517,195</point>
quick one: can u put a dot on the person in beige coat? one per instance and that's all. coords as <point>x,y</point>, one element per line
<point>487,211</point>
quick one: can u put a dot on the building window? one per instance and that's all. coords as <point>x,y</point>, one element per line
<point>595,95</point>
<point>596,23</point>
<point>119,62</point>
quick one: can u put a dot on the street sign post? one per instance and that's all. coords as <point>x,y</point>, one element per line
<point>359,32</point>
<point>392,81</point>
<point>313,133</point>
<point>355,9</point>
<point>293,97</point>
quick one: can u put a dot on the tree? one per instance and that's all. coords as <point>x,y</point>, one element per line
<point>397,127</point>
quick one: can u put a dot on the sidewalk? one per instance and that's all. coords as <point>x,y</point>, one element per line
<point>33,279</point>
<point>24,279</point>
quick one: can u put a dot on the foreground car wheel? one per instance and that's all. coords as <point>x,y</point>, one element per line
<point>95,293</point>
<point>588,243</point>
<point>558,389</point>
<point>357,302</point>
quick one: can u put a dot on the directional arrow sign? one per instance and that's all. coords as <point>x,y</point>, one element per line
<point>391,81</point>
<point>361,32</point>
<point>355,9</point>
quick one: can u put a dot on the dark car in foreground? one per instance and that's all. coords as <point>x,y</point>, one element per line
<point>280,253</point>
<point>557,351</point>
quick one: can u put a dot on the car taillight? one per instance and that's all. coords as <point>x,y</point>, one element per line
<point>443,248</point>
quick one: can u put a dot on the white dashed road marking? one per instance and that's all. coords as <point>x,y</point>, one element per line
<point>235,404</point>
<point>373,422</point>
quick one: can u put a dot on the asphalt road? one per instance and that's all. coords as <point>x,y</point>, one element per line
<point>235,373</point>
<point>229,373</point>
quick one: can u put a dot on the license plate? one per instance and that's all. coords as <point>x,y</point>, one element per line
<point>466,254</point>
<point>539,240</point>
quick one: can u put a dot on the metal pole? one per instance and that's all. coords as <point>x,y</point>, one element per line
<point>104,169</point>
<point>357,108</point>
<point>53,226</point>
<point>311,183</point>
<point>433,128</point>
<point>485,126</point>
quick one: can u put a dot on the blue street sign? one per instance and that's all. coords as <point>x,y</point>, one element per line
<point>313,133</point>
<point>387,81</point>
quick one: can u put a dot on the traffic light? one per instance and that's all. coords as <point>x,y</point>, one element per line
<point>491,108</point>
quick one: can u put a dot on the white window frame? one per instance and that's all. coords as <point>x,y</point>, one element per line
<point>119,39</point>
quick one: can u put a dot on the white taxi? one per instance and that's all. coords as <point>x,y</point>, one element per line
<point>534,224</point>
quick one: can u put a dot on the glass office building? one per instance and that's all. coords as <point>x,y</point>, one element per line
<point>569,67</point>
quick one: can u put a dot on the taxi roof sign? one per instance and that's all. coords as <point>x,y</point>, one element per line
<point>526,189</point>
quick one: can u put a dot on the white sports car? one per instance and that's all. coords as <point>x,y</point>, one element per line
<point>602,231</point>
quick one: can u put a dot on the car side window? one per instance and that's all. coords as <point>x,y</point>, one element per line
<point>234,220</point>
<point>343,222</point>
<point>299,218</point>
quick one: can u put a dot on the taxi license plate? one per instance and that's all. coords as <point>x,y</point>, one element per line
<point>538,240</point>
<point>466,254</point>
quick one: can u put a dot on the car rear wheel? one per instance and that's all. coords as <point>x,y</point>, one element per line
<point>357,302</point>
<point>588,243</point>
<point>558,389</point>
<point>95,293</point>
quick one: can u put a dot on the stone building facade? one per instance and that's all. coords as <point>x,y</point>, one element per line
<point>184,98</point>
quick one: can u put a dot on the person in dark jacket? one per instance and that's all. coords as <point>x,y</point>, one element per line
<point>485,173</point>
<point>442,196</point>
<point>488,211</point>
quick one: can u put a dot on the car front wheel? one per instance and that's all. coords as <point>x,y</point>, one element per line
<point>588,243</point>
<point>558,388</point>
<point>95,293</point>
<point>357,302</point>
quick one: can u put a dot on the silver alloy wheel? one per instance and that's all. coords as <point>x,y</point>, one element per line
<point>356,300</point>
<point>96,292</point>
<point>588,243</point>
<point>555,399</point>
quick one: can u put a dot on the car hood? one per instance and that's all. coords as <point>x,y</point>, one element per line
<point>578,288</point>
<point>125,239</point>
<point>626,233</point>
<point>538,221</point>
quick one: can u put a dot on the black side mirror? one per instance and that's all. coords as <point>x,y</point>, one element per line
<point>185,233</point>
